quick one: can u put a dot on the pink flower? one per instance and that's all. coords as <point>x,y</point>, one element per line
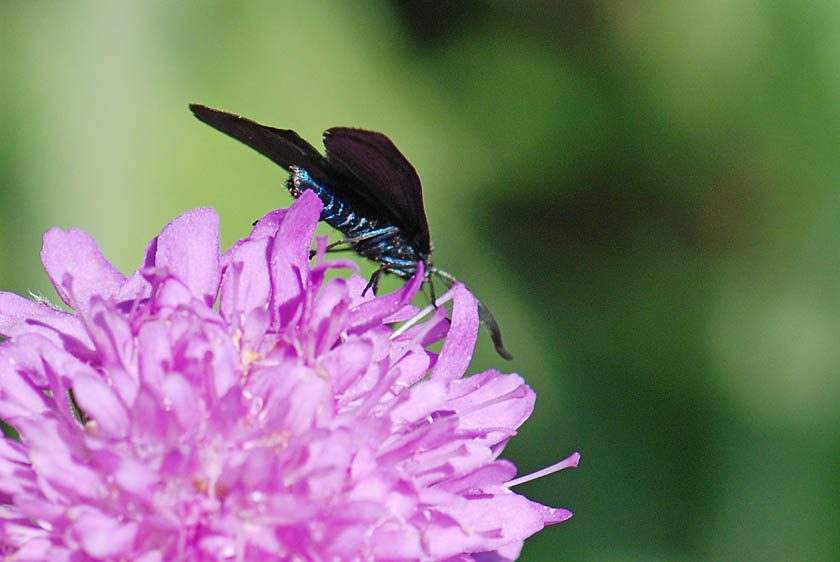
<point>288,423</point>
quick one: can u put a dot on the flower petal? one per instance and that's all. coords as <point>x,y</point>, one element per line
<point>189,248</point>
<point>289,259</point>
<point>246,283</point>
<point>102,404</point>
<point>20,316</point>
<point>103,536</point>
<point>456,353</point>
<point>492,402</point>
<point>77,268</point>
<point>21,372</point>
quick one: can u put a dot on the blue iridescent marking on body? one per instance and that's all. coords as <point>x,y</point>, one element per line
<point>373,238</point>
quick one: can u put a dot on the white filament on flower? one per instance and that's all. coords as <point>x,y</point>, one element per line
<point>441,300</point>
<point>570,462</point>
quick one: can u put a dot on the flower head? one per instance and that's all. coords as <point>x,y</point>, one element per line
<point>290,422</point>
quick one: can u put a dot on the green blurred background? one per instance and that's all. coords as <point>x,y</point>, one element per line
<point>645,193</point>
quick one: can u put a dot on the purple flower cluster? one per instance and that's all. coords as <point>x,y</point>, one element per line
<point>289,422</point>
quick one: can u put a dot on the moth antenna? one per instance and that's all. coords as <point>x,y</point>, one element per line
<point>430,282</point>
<point>485,317</point>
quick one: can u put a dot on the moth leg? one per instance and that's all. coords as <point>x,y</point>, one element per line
<point>373,284</point>
<point>428,289</point>
<point>430,281</point>
<point>383,233</point>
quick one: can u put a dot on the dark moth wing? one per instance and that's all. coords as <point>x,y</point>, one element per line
<point>361,165</point>
<point>283,146</point>
<point>387,180</point>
